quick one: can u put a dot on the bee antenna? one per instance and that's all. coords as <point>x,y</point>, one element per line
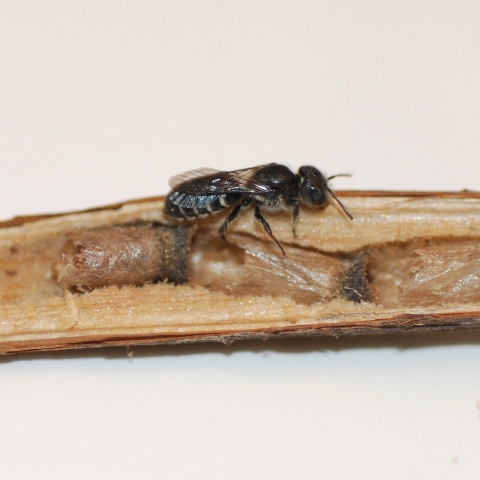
<point>339,175</point>
<point>330,191</point>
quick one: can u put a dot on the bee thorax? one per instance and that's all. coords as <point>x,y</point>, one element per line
<point>274,204</point>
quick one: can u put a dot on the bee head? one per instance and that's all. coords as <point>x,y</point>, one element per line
<point>314,188</point>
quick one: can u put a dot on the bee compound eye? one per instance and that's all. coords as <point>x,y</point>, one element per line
<point>312,195</point>
<point>318,196</point>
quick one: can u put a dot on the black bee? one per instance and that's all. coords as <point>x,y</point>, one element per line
<point>269,187</point>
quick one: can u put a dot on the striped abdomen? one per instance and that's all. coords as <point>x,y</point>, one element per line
<point>185,205</point>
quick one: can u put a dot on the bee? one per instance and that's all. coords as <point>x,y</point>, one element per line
<point>270,188</point>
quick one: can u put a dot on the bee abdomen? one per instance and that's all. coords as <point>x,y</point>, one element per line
<point>184,205</point>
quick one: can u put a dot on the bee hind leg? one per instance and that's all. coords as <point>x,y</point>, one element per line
<point>232,216</point>
<point>266,227</point>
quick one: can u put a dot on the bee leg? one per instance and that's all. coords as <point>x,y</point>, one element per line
<point>296,211</point>
<point>232,216</point>
<point>266,227</point>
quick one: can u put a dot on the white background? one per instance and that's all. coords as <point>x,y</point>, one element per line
<point>102,101</point>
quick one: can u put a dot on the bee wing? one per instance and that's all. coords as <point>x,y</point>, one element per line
<point>204,182</point>
<point>242,182</point>
<point>190,175</point>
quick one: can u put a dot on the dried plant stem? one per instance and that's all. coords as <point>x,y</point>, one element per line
<point>36,314</point>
